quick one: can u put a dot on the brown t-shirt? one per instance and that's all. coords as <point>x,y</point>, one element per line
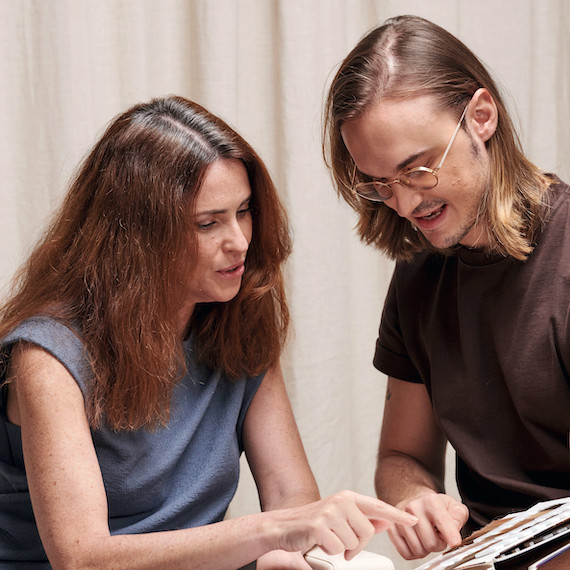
<point>490,339</point>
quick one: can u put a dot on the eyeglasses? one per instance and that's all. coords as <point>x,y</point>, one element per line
<point>420,177</point>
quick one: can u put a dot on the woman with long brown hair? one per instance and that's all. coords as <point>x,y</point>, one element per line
<point>140,356</point>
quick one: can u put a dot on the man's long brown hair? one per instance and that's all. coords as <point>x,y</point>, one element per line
<point>410,56</point>
<point>115,262</point>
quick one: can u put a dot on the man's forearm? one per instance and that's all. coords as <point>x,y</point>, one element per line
<point>401,478</point>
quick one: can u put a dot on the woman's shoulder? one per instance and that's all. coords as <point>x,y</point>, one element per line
<point>39,327</point>
<point>59,339</point>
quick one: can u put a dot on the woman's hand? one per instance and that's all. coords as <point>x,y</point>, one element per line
<point>281,560</point>
<point>343,522</point>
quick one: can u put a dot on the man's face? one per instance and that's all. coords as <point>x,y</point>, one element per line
<point>396,135</point>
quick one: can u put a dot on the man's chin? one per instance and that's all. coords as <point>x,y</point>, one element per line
<point>442,242</point>
<point>446,241</point>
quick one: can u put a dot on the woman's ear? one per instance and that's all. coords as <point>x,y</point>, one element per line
<point>482,115</point>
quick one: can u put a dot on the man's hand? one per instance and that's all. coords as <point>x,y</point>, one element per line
<point>440,519</point>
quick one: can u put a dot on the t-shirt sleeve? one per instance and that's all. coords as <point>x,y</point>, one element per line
<point>55,338</point>
<point>391,355</point>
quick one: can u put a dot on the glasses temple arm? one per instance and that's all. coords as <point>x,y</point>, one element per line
<point>452,138</point>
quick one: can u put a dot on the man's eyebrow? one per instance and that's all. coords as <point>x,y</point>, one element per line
<point>221,211</point>
<point>405,163</point>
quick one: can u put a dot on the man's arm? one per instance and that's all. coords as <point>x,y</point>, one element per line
<point>410,472</point>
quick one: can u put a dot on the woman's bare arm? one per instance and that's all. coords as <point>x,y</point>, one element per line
<point>70,506</point>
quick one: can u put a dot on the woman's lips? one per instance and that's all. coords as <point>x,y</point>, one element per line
<point>233,271</point>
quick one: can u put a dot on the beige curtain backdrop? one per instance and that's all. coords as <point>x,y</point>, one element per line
<point>68,66</point>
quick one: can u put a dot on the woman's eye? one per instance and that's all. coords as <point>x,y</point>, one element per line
<point>206,225</point>
<point>244,211</point>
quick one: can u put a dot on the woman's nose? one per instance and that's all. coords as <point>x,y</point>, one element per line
<point>237,238</point>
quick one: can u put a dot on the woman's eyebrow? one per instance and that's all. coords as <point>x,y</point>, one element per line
<point>221,211</point>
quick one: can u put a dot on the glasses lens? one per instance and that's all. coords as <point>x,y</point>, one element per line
<point>373,191</point>
<point>422,178</point>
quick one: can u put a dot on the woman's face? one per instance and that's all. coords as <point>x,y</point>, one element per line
<point>223,225</point>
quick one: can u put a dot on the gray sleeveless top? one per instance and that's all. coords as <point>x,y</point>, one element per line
<point>180,476</point>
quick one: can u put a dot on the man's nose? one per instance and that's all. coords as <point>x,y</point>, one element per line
<point>404,200</point>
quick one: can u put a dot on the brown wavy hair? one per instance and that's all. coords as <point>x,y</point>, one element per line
<point>410,56</point>
<point>115,260</point>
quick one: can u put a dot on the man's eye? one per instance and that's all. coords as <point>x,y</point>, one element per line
<point>415,174</point>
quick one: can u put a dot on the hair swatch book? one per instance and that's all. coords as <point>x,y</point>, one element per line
<point>535,539</point>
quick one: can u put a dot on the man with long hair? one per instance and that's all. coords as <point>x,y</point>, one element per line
<point>474,335</point>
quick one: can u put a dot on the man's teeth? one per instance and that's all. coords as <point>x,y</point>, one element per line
<point>433,215</point>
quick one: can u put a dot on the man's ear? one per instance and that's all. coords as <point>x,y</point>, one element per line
<point>482,115</point>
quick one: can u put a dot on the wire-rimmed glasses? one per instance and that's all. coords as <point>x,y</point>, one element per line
<point>420,177</point>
